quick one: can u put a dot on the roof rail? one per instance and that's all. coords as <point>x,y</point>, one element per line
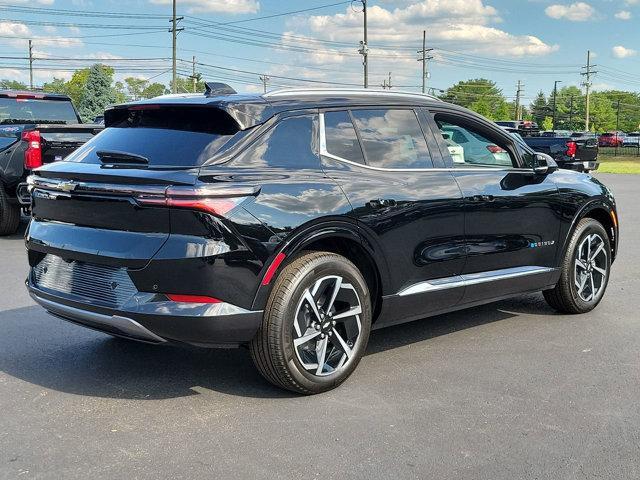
<point>351,91</point>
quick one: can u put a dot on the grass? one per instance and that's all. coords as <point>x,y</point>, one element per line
<point>619,164</point>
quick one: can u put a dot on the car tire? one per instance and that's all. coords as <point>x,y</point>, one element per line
<point>584,271</point>
<point>310,347</point>
<point>9,214</point>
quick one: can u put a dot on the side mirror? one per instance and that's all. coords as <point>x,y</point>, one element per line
<point>544,164</point>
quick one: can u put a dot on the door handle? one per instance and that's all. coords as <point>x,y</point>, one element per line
<point>482,198</point>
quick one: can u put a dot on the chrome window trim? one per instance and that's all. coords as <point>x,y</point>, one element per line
<point>325,153</point>
<point>468,279</point>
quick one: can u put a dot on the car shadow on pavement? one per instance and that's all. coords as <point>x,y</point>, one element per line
<point>53,354</point>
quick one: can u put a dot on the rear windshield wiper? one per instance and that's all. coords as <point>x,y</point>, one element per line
<point>115,157</point>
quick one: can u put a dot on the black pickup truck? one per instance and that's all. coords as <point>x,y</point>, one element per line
<point>572,151</point>
<point>35,129</point>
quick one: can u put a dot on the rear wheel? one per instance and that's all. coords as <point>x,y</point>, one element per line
<point>316,325</point>
<point>585,270</point>
<point>9,214</point>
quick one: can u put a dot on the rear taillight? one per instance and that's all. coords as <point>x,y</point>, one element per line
<point>495,149</point>
<point>572,148</point>
<point>33,153</point>
<point>214,199</point>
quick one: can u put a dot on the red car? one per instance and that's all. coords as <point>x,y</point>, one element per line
<point>611,139</point>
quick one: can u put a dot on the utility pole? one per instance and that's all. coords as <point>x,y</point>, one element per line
<point>424,59</point>
<point>587,84</point>
<point>364,47</point>
<point>555,95</point>
<point>30,65</point>
<point>174,31</point>
<point>518,94</point>
<point>264,79</point>
<point>193,73</point>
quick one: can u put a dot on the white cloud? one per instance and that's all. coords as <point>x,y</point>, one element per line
<point>17,33</point>
<point>622,52</point>
<point>632,2</point>
<point>450,22</point>
<point>219,6</point>
<point>623,15</point>
<point>576,12</point>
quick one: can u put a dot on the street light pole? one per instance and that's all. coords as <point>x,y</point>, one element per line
<point>364,47</point>
<point>555,94</point>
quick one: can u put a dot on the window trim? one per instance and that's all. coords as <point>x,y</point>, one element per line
<point>324,153</point>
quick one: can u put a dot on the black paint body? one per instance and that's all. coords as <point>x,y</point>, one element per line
<point>404,228</point>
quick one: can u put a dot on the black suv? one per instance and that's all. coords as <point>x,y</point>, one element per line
<point>296,221</point>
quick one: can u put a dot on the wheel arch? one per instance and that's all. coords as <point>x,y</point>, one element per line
<point>604,213</point>
<point>341,237</point>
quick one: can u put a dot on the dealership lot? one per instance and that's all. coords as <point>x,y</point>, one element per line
<point>506,390</point>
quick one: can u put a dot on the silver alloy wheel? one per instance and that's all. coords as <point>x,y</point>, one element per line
<point>590,267</point>
<point>327,327</point>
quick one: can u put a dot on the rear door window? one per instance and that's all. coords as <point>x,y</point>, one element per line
<point>165,136</point>
<point>392,138</point>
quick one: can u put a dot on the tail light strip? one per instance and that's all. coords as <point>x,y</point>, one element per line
<point>211,198</point>
<point>33,152</point>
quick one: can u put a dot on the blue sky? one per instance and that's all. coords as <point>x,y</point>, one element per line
<point>536,41</point>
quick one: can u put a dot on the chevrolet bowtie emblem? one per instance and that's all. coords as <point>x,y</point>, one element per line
<point>67,186</point>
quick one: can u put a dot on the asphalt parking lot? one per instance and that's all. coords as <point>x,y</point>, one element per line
<point>505,391</point>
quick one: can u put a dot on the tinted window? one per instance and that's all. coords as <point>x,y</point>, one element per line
<point>168,136</point>
<point>17,110</point>
<point>341,137</point>
<point>290,143</point>
<point>392,138</point>
<point>468,147</point>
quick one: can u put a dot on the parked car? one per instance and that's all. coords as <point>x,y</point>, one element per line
<point>570,152</point>
<point>631,139</point>
<point>456,151</point>
<point>611,139</point>
<point>35,129</point>
<point>296,221</point>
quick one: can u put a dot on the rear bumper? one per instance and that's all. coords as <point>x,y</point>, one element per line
<point>579,165</point>
<point>151,318</point>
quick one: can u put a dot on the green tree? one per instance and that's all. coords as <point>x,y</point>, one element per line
<point>135,87</point>
<point>98,92</point>
<point>547,123</point>
<point>185,85</point>
<point>57,85</point>
<point>570,108</point>
<point>602,114</point>
<point>480,95</point>
<point>539,108</point>
<point>12,84</point>
<point>629,107</point>
<point>154,90</point>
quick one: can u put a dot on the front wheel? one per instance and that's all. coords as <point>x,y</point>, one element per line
<point>316,324</point>
<point>585,270</point>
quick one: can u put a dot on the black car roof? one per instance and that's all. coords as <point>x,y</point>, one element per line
<point>253,109</point>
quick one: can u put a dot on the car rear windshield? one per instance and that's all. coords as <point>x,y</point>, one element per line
<point>165,136</point>
<point>35,110</point>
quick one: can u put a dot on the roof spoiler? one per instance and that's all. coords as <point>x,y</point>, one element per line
<point>212,89</point>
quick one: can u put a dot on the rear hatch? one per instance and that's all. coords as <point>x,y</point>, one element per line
<point>105,203</point>
<point>587,149</point>
<point>58,141</point>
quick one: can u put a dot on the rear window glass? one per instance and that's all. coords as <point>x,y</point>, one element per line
<point>31,110</point>
<point>166,137</point>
